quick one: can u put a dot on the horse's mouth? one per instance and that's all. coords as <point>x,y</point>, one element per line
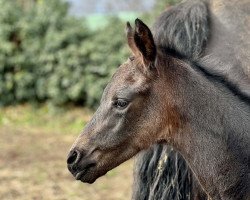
<point>89,175</point>
<point>80,175</point>
<point>83,176</point>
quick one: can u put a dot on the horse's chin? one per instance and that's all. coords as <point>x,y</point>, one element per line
<point>89,181</point>
<point>89,176</point>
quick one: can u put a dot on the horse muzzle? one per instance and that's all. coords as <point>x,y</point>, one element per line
<point>81,166</point>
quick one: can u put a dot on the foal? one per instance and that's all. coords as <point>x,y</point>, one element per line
<point>157,96</point>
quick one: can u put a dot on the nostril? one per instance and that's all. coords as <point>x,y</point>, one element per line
<point>73,157</point>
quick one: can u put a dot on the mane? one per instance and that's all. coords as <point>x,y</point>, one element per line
<point>156,184</point>
<point>184,28</point>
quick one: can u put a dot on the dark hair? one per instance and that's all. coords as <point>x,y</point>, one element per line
<point>184,28</point>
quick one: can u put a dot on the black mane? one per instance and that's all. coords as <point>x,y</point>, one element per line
<point>184,28</point>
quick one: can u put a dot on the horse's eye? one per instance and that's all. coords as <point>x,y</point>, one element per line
<point>120,103</point>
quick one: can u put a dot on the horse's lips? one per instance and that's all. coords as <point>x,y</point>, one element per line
<point>79,175</point>
<point>83,177</point>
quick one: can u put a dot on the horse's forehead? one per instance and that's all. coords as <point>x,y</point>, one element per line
<point>127,73</point>
<point>127,76</point>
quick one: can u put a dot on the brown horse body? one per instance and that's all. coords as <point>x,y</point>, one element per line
<point>159,96</point>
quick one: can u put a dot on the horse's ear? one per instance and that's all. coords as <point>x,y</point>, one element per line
<point>144,41</point>
<point>141,42</point>
<point>131,41</point>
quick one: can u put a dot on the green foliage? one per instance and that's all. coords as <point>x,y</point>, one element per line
<point>46,55</point>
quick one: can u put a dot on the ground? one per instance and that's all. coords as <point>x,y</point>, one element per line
<point>33,148</point>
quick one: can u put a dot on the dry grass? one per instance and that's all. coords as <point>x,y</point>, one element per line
<point>34,145</point>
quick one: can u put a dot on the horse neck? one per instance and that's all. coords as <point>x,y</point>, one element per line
<point>215,139</point>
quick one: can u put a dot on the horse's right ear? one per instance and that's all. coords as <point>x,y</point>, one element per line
<point>145,42</point>
<point>130,38</point>
<point>141,42</point>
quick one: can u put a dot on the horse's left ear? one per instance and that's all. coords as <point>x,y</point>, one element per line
<point>145,43</point>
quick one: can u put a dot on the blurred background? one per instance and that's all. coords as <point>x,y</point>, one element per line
<point>55,59</point>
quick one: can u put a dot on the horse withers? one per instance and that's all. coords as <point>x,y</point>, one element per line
<point>158,96</point>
